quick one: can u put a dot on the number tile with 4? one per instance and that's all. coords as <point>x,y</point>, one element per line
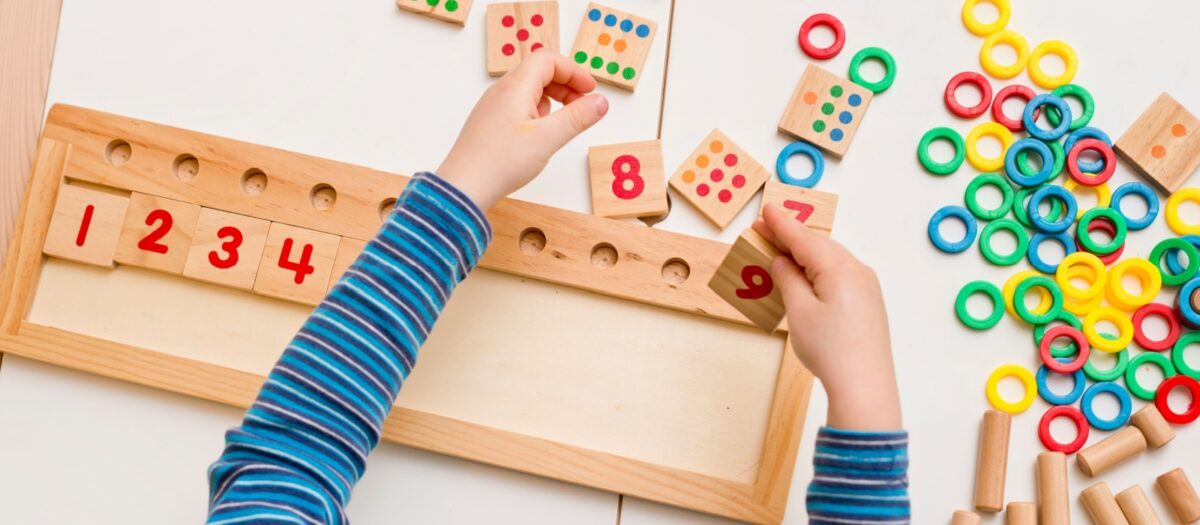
<point>627,180</point>
<point>226,248</point>
<point>86,225</point>
<point>719,178</point>
<point>816,209</point>
<point>744,281</point>
<point>157,233</point>
<point>296,264</point>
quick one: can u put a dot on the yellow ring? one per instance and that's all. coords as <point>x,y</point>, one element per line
<point>994,129</point>
<point>1013,39</point>
<point>1086,265</point>
<point>1053,47</point>
<point>1102,192</point>
<point>1118,319</point>
<point>979,28</point>
<point>1081,309</point>
<point>1010,289</point>
<point>1172,212</point>
<point>993,391</point>
<point>1145,272</point>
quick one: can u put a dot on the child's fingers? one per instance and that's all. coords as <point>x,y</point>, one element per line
<point>547,68</point>
<point>561,93</point>
<point>809,249</point>
<point>544,106</point>
<point>798,294</point>
<point>573,119</point>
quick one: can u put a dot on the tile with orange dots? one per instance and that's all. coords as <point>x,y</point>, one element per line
<point>516,30</point>
<point>1163,144</point>
<point>453,11</point>
<point>613,45</point>
<point>719,178</point>
<point>813,208</point>
<point>825,110</point>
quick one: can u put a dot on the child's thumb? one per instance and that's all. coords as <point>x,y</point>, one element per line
<point>574,118</point>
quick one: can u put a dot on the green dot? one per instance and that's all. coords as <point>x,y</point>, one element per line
<point>836,91</point>
<point>597,62</point>
<point>451,6</point>
<point>819,126</point>
<point>432,3</point>
<point>613,68</point>
<point>629,73</point>
<point>580,57</point>
<point>827,108</point>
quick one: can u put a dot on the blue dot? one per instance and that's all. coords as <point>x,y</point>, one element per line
<point>627,25</point>
<point>855,100</point>
<point>610,20</point>
<point>845,117</point>
<point>594,15</point>
<point>643,31</point>
<point>836,135</point>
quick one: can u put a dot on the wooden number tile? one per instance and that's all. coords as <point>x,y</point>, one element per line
<point>296,264</point>
<point>1163,144</point>
<point>157,233</point>
<point>613,45</point>
<point>226,248</point>
<point>453,11</point>
<point>744,280</point>
<point>515,30</point>
<point>627,180</point>
<point>86,225</point>
<point>347,252</point>
<point>815,209</point>
<point>825,110</point>
<point>719,178</point>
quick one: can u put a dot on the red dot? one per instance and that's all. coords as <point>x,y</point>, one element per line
<point>731,160</point>
<point>508,50</point>
<point>523,35</point>
<point>739,181</point>
<point>508,21</point>
<point>536,46</point>
<point>536,20</point>
<point>716,175</point>
<point>702,190</point>
<point>725,196</point>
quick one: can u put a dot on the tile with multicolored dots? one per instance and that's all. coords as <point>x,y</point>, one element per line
<point>453,11</point>
<point>516,30</point>
<point>825,110</point>
<point>1163,144</point>
<point>719,178</point>
<point>613,45</point>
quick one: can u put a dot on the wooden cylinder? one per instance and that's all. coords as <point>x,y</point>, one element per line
<point>1181,495</point>
<point>1101,505</point>
<point>991,468</point>
<point>1153,426</point>
<point>1136,507</point>
<point>1052,488</point>
<point>1120,446</point>
<point>1021,513</point>
<point>962,517</point>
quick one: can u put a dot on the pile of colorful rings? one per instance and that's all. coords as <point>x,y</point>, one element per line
<point>1086,310</point>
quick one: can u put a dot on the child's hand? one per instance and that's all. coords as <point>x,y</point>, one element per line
<point>511,134</point>
<point>838,322</point>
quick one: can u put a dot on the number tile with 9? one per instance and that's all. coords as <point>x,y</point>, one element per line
<point>744,281</point>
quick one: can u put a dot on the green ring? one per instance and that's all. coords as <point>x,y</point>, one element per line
<point>1085,236</point>
<point>889,66</point>
<point>1111,374</point>
<point>1018,231</point>
<point>1188,249</point>
<point>988,289</point>
<point>1021,208</point>
<point>941,168</point>
<point>1059,351</point>
<point>1153,358</point>
<point>1181,365</point>
<point>1023,310</point>
<point>1060,160</point>
<point>1085,99</point>
<point>972,194</point>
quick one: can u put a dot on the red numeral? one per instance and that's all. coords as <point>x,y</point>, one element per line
<point>150,242</point>
<point>85,225</point>
<point>803,210</point>
<point>759,289</point>
<point>301,267</point>
<point>627,168</point>
<point>230,248</point>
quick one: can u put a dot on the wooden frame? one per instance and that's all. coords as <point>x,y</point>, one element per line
<point>74,144</point>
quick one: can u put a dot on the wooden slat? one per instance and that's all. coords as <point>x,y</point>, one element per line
<point>24,259</point>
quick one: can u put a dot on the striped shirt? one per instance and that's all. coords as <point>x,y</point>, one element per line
<point>859,477</point>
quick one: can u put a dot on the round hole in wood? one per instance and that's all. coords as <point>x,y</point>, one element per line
<point>651,221</point>
<point>118,152</point>
<point>604,255</point>
<point>676,271</point>
<point>532,241</point>
<point>323,197</point>
<point>254,182</point>
<point>385,208</point>
<point>185,167</point>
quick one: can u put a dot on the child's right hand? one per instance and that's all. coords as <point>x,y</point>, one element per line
<point>837,321</point>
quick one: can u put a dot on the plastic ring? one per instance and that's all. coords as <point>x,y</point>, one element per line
<point>1111,230</point>
<point>827,20</point>
<point>1072,264</point>
<point>1035,215</point>
<point>988,289</point>
<point>1089,399</point>
<point>1055,399</point>
<point>1147,358</point>
<point>956,212</point>
<point>1085,133</point>
<point>1070,349</point>
<point>1174,328</point>
<point>1060,159</point>
<point>1069,365</point>
<point>1163,394</point>
<point>1023,311</point>
<point>1117,318</point>
<point>1173,260</point>
<point>889,65</point>
<point>971,197</point>
<point>979,28</point>
<point>1085,100</point>
<point>1146,274</point>
<point>1148,195</point>
<point>1081,429</point>
<point>1013,40</point>
<point>1035,244</point>
<point>1168,247</point>
<point>993,392</point>
<point>1177,356</point>
<point>1091,179</point>
<point>1018,175</point>
<point>1084,234</point>
<point>1015,90</point>
<point>1103,195</point>
<point>993,129</point>
<point>1185,306</point>
<point>1095,374</point>
<point>1053,47</point>
<point>1021,206</point>
<point>1052,102</point>
<point>1045,300</point>
<point>941,168</point>
<point>1019,233</point>
<point>1172,212</point>
<point>800,148</point>
<point>985,91</point>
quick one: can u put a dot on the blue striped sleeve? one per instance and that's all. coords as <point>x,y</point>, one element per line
<point>859,477</point>
<point>304,443</point>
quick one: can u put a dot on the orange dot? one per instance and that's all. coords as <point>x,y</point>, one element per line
<point>702,161</point>
<point>1179,130</point>
<point>810,98</point>
<point>716,146</point>
<point>689,176</point>
<point>605,39</point>
<point>619,45</point>
<point>1158,152</point>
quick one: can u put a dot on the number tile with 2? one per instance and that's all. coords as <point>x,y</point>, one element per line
<point>157,233</point>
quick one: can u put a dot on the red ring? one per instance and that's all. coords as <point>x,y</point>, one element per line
<point>1164,392</point>
<point>1080,342</point>
<point>1102,223</point>
<point>1015,90</point>
<point>1081,429</point>
<point>827,20</point>
<point>1173,326</point>
<point>1091,179</point>
<point>985,91</point>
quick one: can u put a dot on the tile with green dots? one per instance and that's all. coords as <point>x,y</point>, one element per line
<point>825,110</point>
<point>613,45</point>
<point>453,11</point>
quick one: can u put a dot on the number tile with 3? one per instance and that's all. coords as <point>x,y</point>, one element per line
<point>86,225</point>
<point>627,180</point>
<point>815,209</point>
<point>226,248</point>
<point>157,233</point>
<point>744,281</point>
<point>719,178</point>
<point>296,264</point>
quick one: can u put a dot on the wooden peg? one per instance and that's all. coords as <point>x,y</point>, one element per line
<point>226,248</point>
<point>962,517</point>
<point>1136,507</point>
<point>296,264</point>
<point>744,280</point>
<point>157,233</point>
<point>991,467</point>
<point>1052,488</point>
<point>627,180</point>
<point>1153,426</point>
<point>1181,495</point>
<point>1101,505</point>
<point>86,225</point>
<point>1116,448</point>
<point>1021,513</point>
<point>348,251</point>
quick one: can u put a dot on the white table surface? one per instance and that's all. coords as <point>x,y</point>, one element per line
<point>362,82</point>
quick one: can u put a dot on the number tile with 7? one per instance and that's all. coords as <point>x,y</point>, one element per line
<point>226,248</point>
<point>744,281</point>
<point>86,225</point>
<point>815,209</point>
<point>627,180</point>
<point>157,233</point>
<point>296,264</point>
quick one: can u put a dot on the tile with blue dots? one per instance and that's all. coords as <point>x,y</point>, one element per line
<point>613,45</point>
<point>825,110</point>
<point>453,11</point>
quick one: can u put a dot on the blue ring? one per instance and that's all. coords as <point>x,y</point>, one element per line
<point>800,148</point>
<point>1068,398</point>
<point>1087,133</point>
<point>1183,303</point>
<point>1143,191</point>
<point>1173,263</point>
<point>1058,131</point>
<point>1123,398</point>
<point>1035,259</point>
<point>957,212</point>
<point>1015,174</point>
<point>1068,216</point>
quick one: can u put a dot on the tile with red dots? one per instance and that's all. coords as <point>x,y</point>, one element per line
<point>815,209</point>
<point>1163,144</point>
<point>516,30</point>
<point>453,11</point>
<point>744,281</point>
<point>613,45</point>
<point>627,180</point>
<point>719,178</point>
<point>825,110</point>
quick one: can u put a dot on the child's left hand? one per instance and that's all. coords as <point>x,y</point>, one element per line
<point>511,134</point>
